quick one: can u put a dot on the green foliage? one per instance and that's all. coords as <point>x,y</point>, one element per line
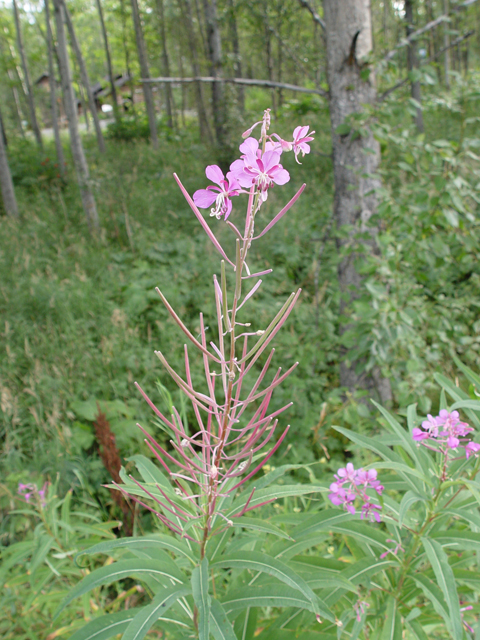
<point>40,539</point>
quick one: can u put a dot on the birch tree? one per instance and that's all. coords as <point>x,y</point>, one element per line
<point>79,160</point>
<point>166,62</point>
<point>186,9</point>
<point>85,80</point>
<point>355,158</point>
<point>6,184</point>
<point>109,62</point>
<point>214,42</point>
<point>147,88</point>
<point>26,79</point>
<point>53,93</point>
<point>412,63</point>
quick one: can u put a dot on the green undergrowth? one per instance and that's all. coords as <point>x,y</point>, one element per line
<point>81,319</point>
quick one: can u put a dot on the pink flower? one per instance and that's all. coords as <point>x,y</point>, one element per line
<point>300,140</point>
<point>227,188</point>
<point>418,434</point>
<point>259,170</point>
<point>431,425</point>
<point>351,484</point>
<point>472,448</point>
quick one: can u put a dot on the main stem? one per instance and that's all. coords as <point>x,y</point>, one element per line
<point>231,369</point>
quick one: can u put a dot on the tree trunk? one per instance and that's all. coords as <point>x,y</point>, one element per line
<point>53,93</point>
<point>355,159</point>
<point>109,63</point>
<point>215,55</point>
<point>166,63</point>
<point>268,51</point>
<point>79,160</point>
<point>205,133</point>
<point>412,63</point>
<point>127,53</point>
<point>446,44</point>
<point>6,184</point>
<point>85,79</point>
<point>237,58</point>
<point>147,88</point>
<point>28,87</point>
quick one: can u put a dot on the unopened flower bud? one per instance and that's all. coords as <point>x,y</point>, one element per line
<point>260,332</point>
<point>184,443</point>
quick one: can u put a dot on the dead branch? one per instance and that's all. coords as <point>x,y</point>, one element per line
<point>246,81</point>
<point>413,36</point>
<point>315,16</point>
<point>454,43</point>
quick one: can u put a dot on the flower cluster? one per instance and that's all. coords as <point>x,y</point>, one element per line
<point>258,167</point>
<point>447,430</point>
<point>29,491</point>
<point>352,484</point>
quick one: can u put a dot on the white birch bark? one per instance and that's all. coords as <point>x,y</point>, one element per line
<point>85,79</point>
<point>26,79</point>
<point>53,94</point>
<point>143,60</point>
<point>79,160</point>
<point>6,184</point>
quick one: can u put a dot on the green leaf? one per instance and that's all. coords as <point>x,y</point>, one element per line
<point>322,521</point>
<point>392,626</point>
<point>263,563</point>
<point>202,598</point>
<point>446,581</point>
<point>271,596</point>
<point>457,540</point>
<point>432,593</point>
<point>273,493</point>
<point>150,472</point>
<point>44,545</point>
<point>343,129</point>
<point>278,472</point>
<point>155,540</point>
<point>363,533</point>
<point>256,524</point>
<point>457,394</point>
<point>147,616</point>
<point>408,500</point>
<point>220,625</point>
<point>406,438</point>
<point>118,571</point>
<point>106,627</point>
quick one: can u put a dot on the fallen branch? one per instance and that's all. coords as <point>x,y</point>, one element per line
<point>244,81</point>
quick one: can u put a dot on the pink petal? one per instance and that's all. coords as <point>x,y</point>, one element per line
<point>300,132</point>
<point>281,177</point>
<point>203,198</point>
<point>214,173</point>
<point>270,159</point>
<point>249,147</point>
<point>228,204</point>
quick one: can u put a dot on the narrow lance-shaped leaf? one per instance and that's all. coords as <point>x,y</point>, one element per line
<point>107,626</point>
<point>202,598</point>
<point>147,616</point>
<point>220,625</point>
<point>446,581</point>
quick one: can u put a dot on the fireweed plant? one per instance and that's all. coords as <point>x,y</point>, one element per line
<point>397,558</point>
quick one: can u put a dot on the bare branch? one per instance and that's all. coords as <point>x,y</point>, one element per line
<point>245,81</point>
<point>413,36</point>
<point>315,15</point>
<point>454,43</point>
